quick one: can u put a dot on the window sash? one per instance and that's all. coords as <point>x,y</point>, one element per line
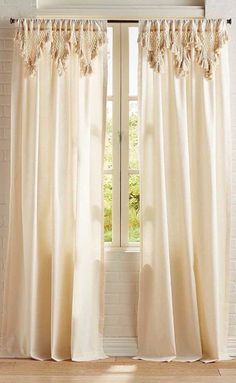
<point>120,138</point>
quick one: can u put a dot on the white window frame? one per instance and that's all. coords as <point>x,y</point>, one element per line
<point>116,137</point>
<point>140,10</point>
<point>125,98</point>
<point>120,138</point>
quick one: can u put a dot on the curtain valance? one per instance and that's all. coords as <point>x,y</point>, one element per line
<point>60,38</point>
<point>189,40</point>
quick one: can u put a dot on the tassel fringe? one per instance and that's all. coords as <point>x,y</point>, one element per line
<point>60,38</point>
<point>188,40</point>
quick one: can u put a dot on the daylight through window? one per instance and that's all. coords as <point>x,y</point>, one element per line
<point>121,178</point>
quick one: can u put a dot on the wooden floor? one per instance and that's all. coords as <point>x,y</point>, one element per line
<point>115,370</point>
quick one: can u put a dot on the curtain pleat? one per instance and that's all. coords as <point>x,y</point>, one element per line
<point>54,270</point>
<point>184,138</point>
<point>53,290</point>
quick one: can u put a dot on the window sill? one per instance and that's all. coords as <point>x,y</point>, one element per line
<point>121,249</point>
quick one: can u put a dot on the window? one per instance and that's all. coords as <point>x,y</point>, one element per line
<point>121,178</point>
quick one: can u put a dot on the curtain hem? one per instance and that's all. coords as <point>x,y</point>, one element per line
<point>184,359</point>
<point>168,358</point>
<point>79,359</point>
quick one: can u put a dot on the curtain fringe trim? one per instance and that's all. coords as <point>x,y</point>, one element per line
<point>188,40</point>
<point>60,38</point>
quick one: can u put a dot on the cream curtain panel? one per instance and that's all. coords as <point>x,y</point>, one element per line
<point>185,190</point>
<point>54,273</point>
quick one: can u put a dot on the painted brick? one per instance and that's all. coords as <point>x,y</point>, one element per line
<point>120,309</point>
<point>120,287</point>
<point>130,297</point>
<point>4,155</point>
<point>4,133</point>
<point>5,89</point>
<point>112,298</point>
<point>232,309</point>
<point>5,121</point>
<point>128,276</point>
<point>112,276</point>
<point>232,331</point>
<point>127,321</point>
<point>122,266</point>
<point>120,331</point>
<point>112,320</point>
<point>232,319</point>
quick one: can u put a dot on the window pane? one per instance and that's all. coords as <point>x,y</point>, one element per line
<point>108,208</point>
<point>108,141</point>
<point>133,61</point>
<point>134,208</point>
<point>110,60</point>
<point>133,135</point>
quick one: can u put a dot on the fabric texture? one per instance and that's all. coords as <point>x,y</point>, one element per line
<point>60,38</point>
<point>53,305</point>
<point>185,170</point>
<point>198,40</point>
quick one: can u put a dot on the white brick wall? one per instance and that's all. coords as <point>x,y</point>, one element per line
<point>121,292</point>
<point>5,76</point>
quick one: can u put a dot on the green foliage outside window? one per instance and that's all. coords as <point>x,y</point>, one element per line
<point>134,203</point>
<point>107,208</point>
<point>134,193</point>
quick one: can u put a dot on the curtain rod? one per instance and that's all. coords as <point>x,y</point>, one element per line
<point>229,21</point>
<point>12,21</point>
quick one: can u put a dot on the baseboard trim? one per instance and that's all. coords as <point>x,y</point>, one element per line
<point>127,346</point>
<point>120,346</point>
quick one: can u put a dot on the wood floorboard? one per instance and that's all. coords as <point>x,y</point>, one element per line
<point>228,371</point>
<point>116,379</point>
<point>115,370</point>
